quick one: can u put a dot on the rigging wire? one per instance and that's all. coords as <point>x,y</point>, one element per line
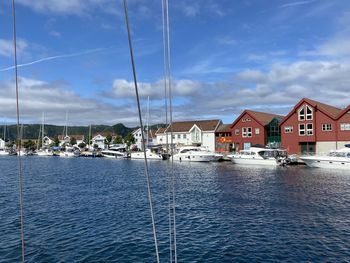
<point>173,192</point>
<point>19,139</point>
<point>142,133</point>
<point>166,133</point>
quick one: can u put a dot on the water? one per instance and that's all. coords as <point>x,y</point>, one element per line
<point>96,210</point>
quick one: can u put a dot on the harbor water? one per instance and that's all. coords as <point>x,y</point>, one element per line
<point>96,210</point>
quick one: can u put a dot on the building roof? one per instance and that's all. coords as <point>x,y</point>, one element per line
<point>224,128</point>
<point>262,118</point>
<point>160,131</point>
<point>329,110</point>
<point>343,112</point>
<point>185,126</point>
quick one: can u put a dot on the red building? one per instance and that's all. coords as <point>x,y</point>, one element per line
<point>315,127</point>
<point>223,138</point>
<point>255,128</point>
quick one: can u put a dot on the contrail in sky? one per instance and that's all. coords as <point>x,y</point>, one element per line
<point>55,57</point>
<point>296,3</point>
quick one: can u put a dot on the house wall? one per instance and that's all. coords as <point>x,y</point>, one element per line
<point>324,140</point>
<point>246,121</point>
<point>208,140</point>
<point>343,135</point>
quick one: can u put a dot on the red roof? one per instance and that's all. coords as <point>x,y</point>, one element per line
<point>263,118</point>
<point>344,111</point>
<point>329,110</point>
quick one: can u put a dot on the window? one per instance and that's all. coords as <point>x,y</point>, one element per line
<point>327,127</point>
<point>301,129</point>
<point>257,131</point>
<point>184,136</point>
<point>237,132</point>
<point>160,139</point>
<point>248,132</point>
<point>288,129</point>
<point>246,119</point>
<point>301,114</point>
<point>309,129</point>
<point>179,136</point>
<point>345,126</point>
<point>308,113</point>
<point>173,137</point>
<point>244,132</point>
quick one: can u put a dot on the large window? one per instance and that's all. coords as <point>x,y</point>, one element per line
<point>301,129</point>
<point>345,126</point>
<point>246,132</point>
<point>327,127</point>
<point>308,112</point>
<point>288,129</point>
<point>257,131</point>
<point>301,114</point>
<point>309,129</point>
<point>237,132</point>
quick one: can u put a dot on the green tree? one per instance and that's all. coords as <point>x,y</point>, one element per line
<point>95,146</point>
<point>118,139</point>
<point>73,141</point>
<point>81,145</point>
<point>129,139</point>
<point>56,142</point>
<point>108,139</point>
<point>29,144</point>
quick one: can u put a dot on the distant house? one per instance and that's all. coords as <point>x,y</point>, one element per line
<point>2,144</point>
<point>67,139</point>
<point>256,128</point>
<point>200,133</point>
<point>99,140</point>
<point>47,141</point>
<point>315,127</point>
<point>151,138</point>
<point>223,139</point>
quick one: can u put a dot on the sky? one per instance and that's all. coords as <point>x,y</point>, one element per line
<point>226,56</point>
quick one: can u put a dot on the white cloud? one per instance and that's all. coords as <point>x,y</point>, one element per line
<point>55,33</point>
<point>6,47</point>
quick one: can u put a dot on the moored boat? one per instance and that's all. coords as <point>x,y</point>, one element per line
<point>338,159</point>
<point>196,154</point>
<point>259,156</point>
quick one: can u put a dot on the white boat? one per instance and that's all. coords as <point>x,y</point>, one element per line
<point>114,153</point>
<point>195,154</point>
<point>44,152</point>
<point>259,156</point>
<point>3,152</point>
<point>149,154</point>
<point>338,159</point>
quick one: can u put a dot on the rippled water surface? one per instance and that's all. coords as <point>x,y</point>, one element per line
<point>96,210</point>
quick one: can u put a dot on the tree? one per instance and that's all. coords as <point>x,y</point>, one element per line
<point>56,142</point>
<point>81,145</point>
<point>108,139</point>
<point>118,139</point>
<point>29,144</point>
<point>129,139</point>
<point>95,146</point>
<point>73,141</point>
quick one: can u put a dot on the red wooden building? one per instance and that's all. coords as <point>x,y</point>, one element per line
<point>315,127</point>
<point>255,128</point>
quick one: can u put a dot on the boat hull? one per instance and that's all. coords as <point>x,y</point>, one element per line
<point>327,163</point>
<point>254,161</point>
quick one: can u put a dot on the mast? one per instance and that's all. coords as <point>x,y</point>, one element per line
<point>147,123</point>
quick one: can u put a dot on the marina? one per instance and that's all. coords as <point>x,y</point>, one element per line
<point>95,210</point>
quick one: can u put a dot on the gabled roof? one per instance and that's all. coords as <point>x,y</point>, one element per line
<point>328,110</point>
<point>263,118</point>
<point>185,126</point>
<point>343,112</point>
<point>224,128</point>
<point>160,131</point>
<point>78,137</point>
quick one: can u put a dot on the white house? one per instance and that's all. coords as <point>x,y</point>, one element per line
<point>151,138</point>
<point>66,139</point>
<point>2,144</point>
<point>201,133</point>
<point>99,140</point>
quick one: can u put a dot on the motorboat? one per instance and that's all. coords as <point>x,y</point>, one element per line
<point>3,152</point>
<point>338,159</point>
<point>196,154</point>
<point>114,153</point>
<point>149,155</point>
<point>259,156</point>
<point>69,152</point>
<point>44,152</point>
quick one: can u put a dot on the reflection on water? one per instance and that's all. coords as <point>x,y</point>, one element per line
<point>95,210</point>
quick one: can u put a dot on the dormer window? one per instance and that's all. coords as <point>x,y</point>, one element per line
<point>308,112</point>
<point>301,114</point>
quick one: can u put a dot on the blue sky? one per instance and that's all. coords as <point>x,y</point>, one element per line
<point>226,56</point>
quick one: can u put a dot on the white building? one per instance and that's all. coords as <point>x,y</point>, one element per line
<point>99,140</point>
<point>2,144</point>
<point>201,133</point>
<point>47,141</point>
<point>66,139</point>
<point>151,138</point>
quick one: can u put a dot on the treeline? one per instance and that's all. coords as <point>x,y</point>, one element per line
<point>31,131</point>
